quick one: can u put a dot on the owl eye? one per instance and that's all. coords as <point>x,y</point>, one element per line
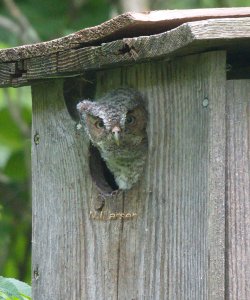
<point>130,120</point>
<point>99,124</point>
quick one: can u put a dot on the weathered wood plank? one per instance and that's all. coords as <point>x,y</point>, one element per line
<point>7,73</point>
<point>238,190</point>
<point>188,38</point>
<point>65,239</point>
<point>174,248</point>
<point>125,25</point>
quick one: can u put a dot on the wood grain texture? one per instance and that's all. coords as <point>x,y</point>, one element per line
<point>174,248</point>
<point>238,190</point>
<point>126,25</point>
<point>66,241</point>
<point>5,75</point>
<point>191,37</point>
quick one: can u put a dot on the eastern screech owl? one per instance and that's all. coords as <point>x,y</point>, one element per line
<point>116,125</point>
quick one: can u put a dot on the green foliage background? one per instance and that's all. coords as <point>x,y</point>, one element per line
<point>50,19</point>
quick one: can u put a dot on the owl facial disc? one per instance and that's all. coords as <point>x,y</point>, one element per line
<point>116,126</point>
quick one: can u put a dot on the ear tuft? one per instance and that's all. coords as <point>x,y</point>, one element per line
<point>84,106</point>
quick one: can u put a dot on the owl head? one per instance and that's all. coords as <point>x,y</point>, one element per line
<point>116,120</point>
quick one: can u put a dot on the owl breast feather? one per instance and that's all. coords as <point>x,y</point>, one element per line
<point>126,164</point>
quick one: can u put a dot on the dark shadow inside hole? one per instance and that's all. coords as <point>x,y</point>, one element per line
<point>100,173</point>
<point>238,65</point>
<point>76,89</point>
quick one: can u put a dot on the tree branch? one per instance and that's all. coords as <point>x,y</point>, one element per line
<point>14,29</point>
<point>9,25</point>
<point>15,12</point>
<point>135,6</point>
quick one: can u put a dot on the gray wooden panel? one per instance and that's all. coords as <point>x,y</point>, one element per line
<point>174,247</point>
<point>238,189</point>
<point>71,252</point>
<point>7,71</point>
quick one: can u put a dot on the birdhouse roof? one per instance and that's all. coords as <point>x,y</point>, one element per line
<point>127,39</point>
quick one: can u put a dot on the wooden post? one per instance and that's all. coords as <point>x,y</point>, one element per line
<point>183,231</point>
<point>172,246</point>
<point>238,190</point>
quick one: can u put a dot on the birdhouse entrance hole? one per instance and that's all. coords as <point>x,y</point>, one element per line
<point>100,173</point>
<point>75,90</point>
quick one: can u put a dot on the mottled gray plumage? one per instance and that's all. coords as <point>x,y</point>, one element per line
<point>116,125</point>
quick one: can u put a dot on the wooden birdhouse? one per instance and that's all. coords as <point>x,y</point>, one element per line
<point>183,230</point>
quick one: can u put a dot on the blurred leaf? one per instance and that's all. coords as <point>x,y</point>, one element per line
<point>8,288</point>
<point>91,14</point>
<point>15,167</point>
<point>11,267</point>
<point>20,246</point>
<point>5,153</point>
<point>22,287</point>
<point>14,289</point>
<point>3,45</point>
<point>26,115</point>
<point>10,135</point>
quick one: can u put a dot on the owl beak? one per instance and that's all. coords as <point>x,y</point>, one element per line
<point>116,133</point>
